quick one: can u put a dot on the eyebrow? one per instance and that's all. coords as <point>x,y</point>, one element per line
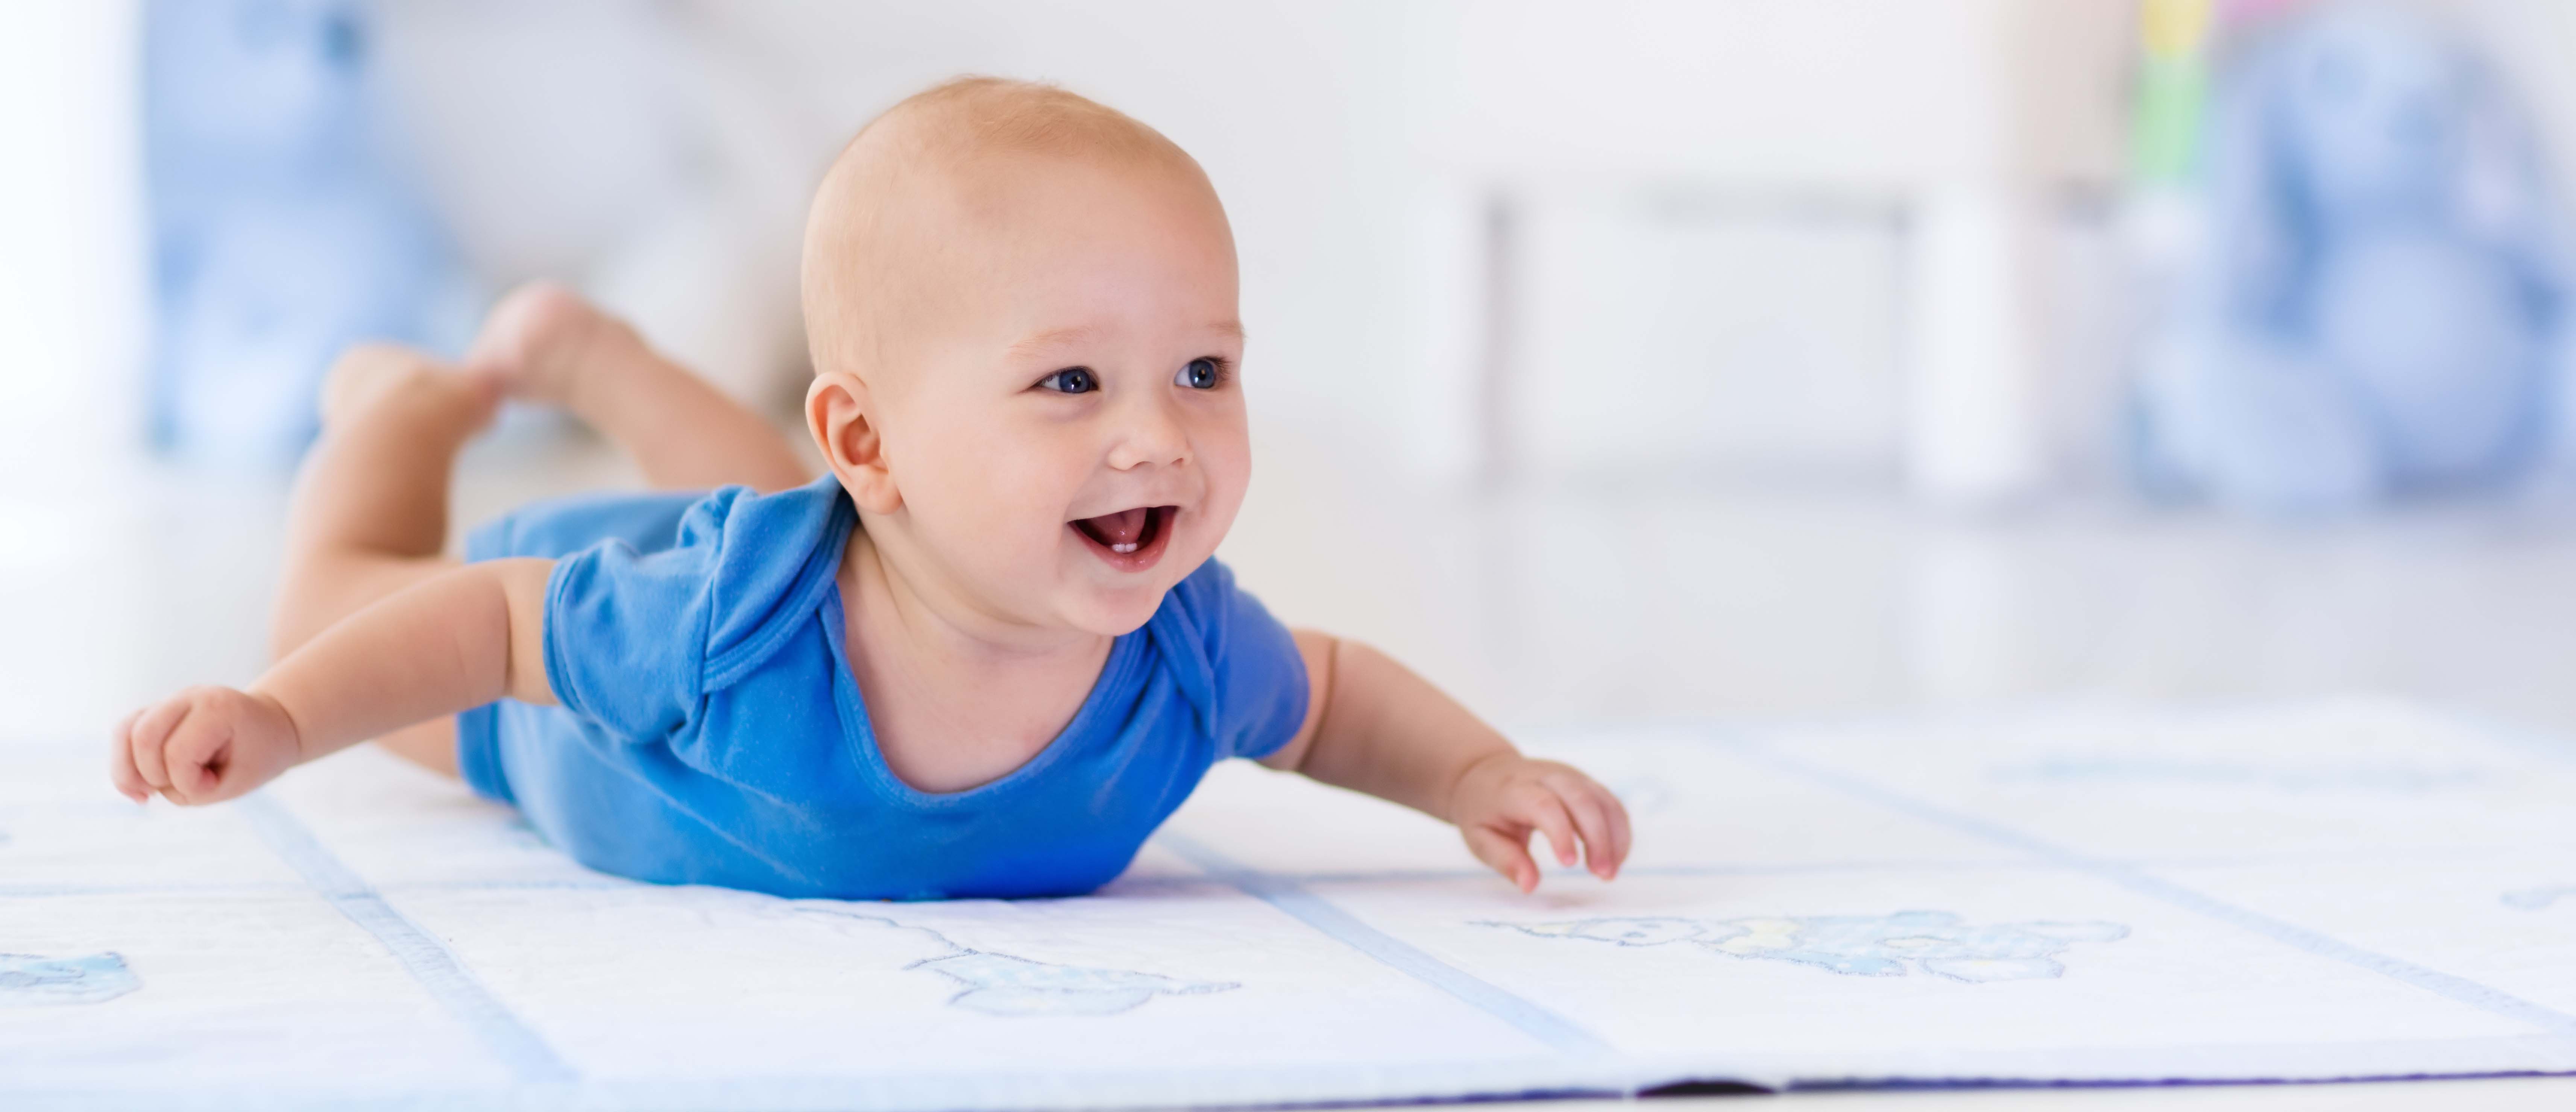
<point>1056,337</point>
<point>1053,337</point>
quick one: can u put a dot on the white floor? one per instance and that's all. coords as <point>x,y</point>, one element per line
<point>1550,605</point>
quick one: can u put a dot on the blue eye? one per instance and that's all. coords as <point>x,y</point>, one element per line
<point>1071,380</point>
<point>1202,374</point>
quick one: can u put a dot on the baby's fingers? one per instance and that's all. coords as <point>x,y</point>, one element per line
<point>1591,809</point>
<point>1625,835</point>
<point>120,762</point>
<point>150,732</point>
<point>196,756</point>
<point>1545,810</point>
<point>1505,854</point>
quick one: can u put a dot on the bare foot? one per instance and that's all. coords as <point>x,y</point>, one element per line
<point>542,341</point>
<point>370,375</point>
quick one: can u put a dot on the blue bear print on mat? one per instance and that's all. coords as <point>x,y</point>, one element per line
<point>2539,899</point>
<point>1936,942</point>
<point>1009,985</point>
<point>999,984</point>
<point>28,980</point>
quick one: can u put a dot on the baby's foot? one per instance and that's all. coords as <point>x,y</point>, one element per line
<point>368,376</point>
<point>542,341</point>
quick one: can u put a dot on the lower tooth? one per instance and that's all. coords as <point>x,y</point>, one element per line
<point>1130,546</point>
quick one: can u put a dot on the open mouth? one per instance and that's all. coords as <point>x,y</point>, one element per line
<point>1130,540</point>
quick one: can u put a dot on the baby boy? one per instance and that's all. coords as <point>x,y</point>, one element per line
<point>985,655</point>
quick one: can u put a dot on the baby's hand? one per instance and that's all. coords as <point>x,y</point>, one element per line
<point>1501,799</point>
<point>202,745</point>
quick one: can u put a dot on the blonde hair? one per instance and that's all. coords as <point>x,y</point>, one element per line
<point>975,114</point>
<point>859,228</point>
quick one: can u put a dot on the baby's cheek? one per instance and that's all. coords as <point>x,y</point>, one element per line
<point>1225,455</point>
<point>1226,489</point>
<point>1009,490</point>
<point>989,530</point>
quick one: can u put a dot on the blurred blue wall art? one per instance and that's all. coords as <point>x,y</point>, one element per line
<point>2378,303</point>
<point>281,229</point>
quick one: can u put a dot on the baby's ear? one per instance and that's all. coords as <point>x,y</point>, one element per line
<point>841,414</point>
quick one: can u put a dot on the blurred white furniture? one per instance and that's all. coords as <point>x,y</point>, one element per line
<point>1943,130</point>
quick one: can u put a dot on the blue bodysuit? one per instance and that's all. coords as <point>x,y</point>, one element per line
<point>710,731</point>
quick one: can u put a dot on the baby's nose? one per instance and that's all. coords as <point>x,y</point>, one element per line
<point>1149,434</point>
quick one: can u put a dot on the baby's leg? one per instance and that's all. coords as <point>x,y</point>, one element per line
<point>369,513</point>
<point>549,345</point>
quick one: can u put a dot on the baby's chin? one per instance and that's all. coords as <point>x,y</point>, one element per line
<point>1117,604</point>
<point>1111,613</point>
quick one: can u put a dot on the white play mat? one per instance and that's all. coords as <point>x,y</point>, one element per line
<point>2333,890</point>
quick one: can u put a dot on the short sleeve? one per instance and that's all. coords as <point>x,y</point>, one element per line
<point>673,597</point>
<point>626,635</point>
<point>1256,692</point>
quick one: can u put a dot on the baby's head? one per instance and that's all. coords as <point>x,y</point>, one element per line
<point>1025,338</point>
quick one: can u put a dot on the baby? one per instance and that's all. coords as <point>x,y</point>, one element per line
<point>985,656</point>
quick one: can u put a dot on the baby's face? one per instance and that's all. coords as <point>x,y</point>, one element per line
<point>1068,437</point>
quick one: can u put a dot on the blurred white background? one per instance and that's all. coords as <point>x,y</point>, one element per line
<point>1653,359</point>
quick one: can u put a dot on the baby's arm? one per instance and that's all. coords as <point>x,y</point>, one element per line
<point>444,645</point>
<point>1375,727</point>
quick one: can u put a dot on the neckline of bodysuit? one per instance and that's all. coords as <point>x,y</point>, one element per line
<point>860,732</point>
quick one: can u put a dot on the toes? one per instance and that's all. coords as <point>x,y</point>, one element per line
<point>536,339</point>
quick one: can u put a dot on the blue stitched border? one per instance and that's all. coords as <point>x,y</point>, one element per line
<point>422,955</point>
<point>1539,1023</point>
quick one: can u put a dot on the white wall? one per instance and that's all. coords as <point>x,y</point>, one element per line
<point>1849,95</point>
<point>70,244</point>
<point>1355,142</point>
